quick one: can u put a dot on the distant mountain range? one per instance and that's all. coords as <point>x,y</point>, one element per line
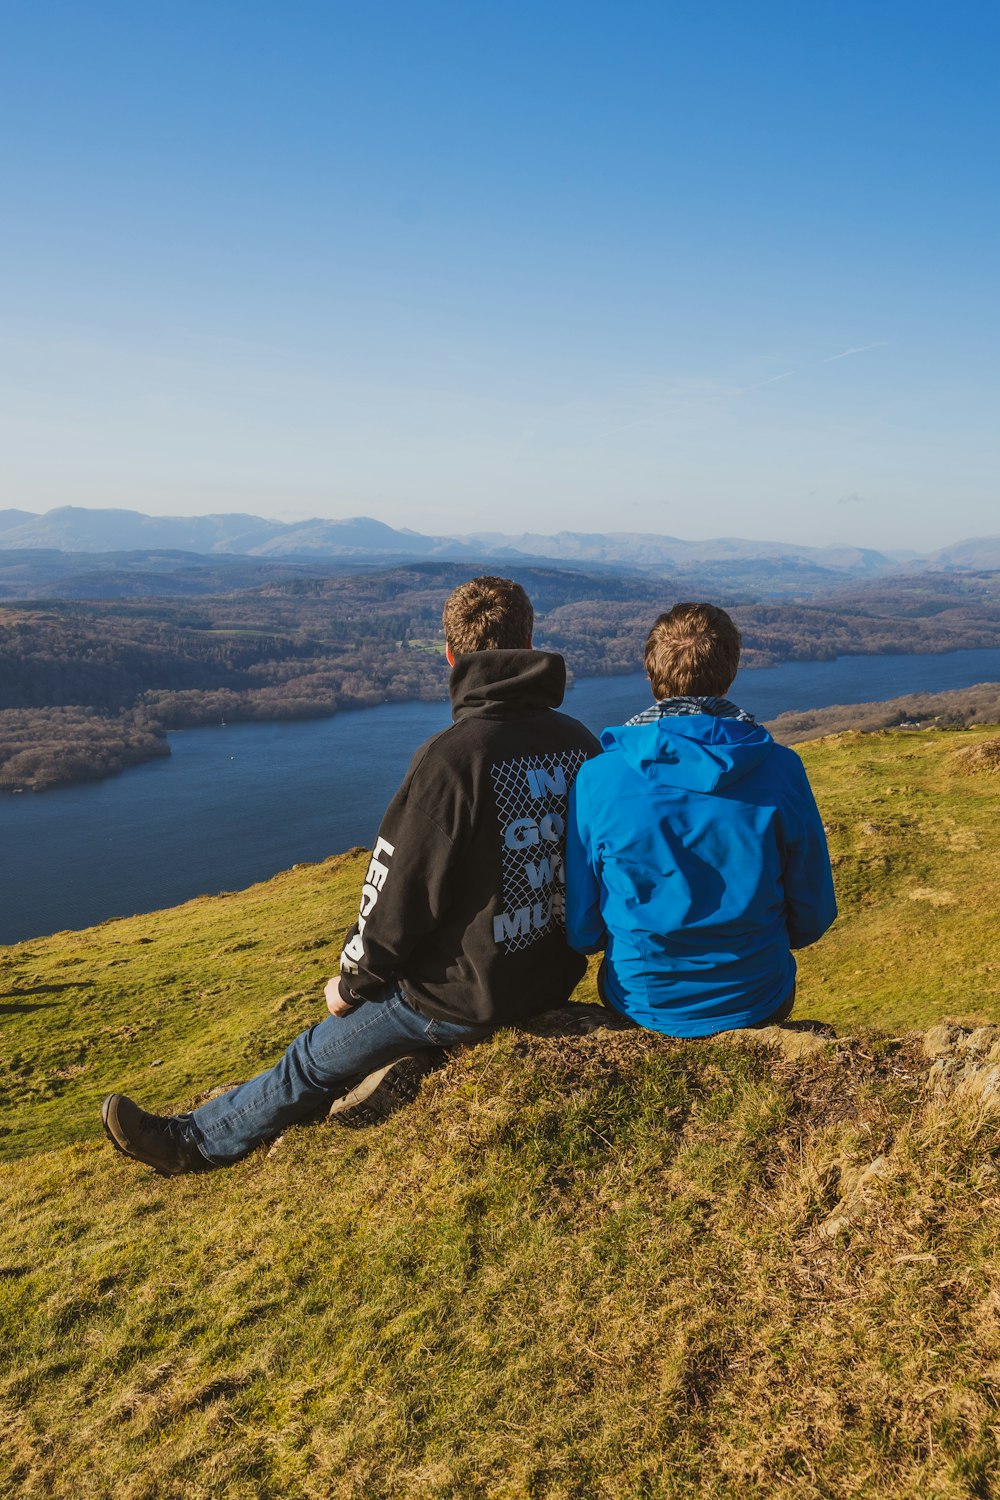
<point>361,539</point>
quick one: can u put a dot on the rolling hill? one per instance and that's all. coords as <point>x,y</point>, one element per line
<point>586,1263</point>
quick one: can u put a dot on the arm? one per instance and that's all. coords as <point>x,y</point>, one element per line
<point>336,1003</point>
<point>810,903</point>
<point>406,892</point>
<point>585,930</point>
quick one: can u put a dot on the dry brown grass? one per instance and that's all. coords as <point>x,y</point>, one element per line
<point>977,758</point>
<point>582,1266</point>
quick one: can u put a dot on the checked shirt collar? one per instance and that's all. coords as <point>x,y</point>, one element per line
<point>721,708</point>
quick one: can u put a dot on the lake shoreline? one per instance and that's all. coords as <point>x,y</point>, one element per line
<point>163,751</point>
<point>234,805</point>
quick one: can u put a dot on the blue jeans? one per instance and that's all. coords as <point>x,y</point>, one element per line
<point>320,1064</point>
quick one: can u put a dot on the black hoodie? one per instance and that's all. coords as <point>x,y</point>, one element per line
<point>464,897</point>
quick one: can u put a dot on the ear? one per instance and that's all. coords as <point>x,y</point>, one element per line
<point>449,655</point>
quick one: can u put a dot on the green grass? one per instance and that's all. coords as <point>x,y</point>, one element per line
<point>435,644</point>
<point>917,866</point>
<point>578,1267</point>
<point>271,633</point>
<point>171,1003</point>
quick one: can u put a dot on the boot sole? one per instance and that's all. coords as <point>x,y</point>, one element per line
<point>385,1091</point>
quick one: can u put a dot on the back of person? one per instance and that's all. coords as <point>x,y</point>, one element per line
<point>460,923</point>
<point>469,913</point>
<point>695,854</point>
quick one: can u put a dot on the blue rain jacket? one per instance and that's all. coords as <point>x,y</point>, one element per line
<point>696,858</point>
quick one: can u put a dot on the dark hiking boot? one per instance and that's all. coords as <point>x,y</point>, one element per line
<point>162,1142</point>
<point>379,1095</point>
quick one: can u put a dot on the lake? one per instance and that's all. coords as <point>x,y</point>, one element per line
<point>235,804</point>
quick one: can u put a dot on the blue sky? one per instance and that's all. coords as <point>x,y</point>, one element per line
<point>700,268</point>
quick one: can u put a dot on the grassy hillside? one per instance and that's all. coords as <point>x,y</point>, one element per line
<point>581,1265</point>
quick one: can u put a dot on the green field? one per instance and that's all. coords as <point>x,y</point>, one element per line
<point>579,1266</point>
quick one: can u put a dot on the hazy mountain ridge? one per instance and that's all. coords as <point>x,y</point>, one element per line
<point>72,528</point>
<point>360,538</point>
<point>12,518</point>
<point>640,548</point>
<point>76,529</point>
<point>974,552</point>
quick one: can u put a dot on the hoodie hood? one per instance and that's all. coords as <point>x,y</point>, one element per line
<point>495,683</point>
<point>694,752</point>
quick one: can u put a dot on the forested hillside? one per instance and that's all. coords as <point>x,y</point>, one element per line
<point>88,687</point>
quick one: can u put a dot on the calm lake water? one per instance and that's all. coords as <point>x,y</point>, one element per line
<point>236,804</point>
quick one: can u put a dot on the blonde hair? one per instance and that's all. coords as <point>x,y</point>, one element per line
<point>692,651</point>
<point>488,614</point>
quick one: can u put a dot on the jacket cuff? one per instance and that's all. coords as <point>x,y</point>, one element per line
<point>355,992</point>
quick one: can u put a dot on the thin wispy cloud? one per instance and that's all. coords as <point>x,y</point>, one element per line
<point>693,401</point>
<point>758,384</point>
<point>727,392</point>
<point>857,349</point>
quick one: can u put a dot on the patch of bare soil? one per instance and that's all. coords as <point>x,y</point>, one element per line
<point>978,758</point>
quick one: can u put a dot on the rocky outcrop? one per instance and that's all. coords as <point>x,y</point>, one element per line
<point>965,1062</point>
<point>856,1185</point>
<point>794,1039</point>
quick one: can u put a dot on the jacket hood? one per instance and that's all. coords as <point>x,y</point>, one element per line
<point>498,682</point>
<point>695,752</point>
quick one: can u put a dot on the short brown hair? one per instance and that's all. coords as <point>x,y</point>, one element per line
<point>488,614</point>
<point>693,650</point>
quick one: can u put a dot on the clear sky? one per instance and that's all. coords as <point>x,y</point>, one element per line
<point>704,267</point>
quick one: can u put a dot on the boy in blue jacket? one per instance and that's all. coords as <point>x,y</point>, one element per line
<point>695,854</point>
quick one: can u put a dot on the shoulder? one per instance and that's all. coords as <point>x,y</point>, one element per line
<point>451,751</point>
<point>784,762</point>
<point>478,738</point>
<point>789,779</point>
<point>573,733</point>
<point>431,750</point>
<point>784,758</point>
<point>600,771</point>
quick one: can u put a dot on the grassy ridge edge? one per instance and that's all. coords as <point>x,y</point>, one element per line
<point>595,1265</point>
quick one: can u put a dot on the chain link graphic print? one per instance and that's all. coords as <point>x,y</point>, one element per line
<point>532,796</point>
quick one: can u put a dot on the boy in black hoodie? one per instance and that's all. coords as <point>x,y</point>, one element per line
<point>461,923</point>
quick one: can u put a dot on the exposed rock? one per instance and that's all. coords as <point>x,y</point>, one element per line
<point>966,1063</point>
<point>941,1040</point>
<point>945,1074</point>
<point>857,1183</point>
<point>981,1083</point>
<point>793,1041</point>
<point>981,1040</point>
<point>855,1178</point>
